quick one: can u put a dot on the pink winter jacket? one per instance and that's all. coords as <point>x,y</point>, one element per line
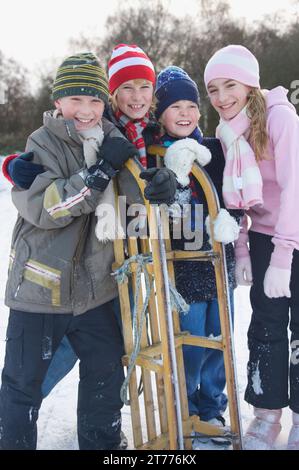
<point>279,214</point>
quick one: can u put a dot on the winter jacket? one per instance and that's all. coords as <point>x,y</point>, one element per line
<point>195,280</point>
<point>57,265</point>
<point>279,214</point>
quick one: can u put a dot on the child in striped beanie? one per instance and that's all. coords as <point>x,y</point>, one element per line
<point>80,92</point>
<point>131,85</point>
<point>259,132</point>
<point>64,285</point>
<point>177,108</point>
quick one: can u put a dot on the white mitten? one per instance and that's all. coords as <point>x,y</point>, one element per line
<point>243,271</point>
<point>179,158</point>
<point>225,227</point>
<point>277,282</point>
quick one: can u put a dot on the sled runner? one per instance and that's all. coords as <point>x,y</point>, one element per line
<point>159,358</point>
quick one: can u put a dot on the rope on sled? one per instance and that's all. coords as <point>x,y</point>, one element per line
<point>121,274</point>
<point>177,301</point>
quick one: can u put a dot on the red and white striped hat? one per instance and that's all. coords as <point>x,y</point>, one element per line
<point>129,62</point>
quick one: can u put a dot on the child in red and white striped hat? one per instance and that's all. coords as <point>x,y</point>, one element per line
<point>131,85</point>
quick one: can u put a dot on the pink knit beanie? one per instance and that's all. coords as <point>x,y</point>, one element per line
<point>236,63</point>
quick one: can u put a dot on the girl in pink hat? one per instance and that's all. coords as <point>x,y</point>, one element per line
<point>259,133</point>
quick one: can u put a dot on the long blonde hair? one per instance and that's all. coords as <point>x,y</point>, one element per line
<point>256,110</point>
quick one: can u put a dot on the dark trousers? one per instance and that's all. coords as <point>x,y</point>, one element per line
<point>31,339</point>
<point>273,376</point>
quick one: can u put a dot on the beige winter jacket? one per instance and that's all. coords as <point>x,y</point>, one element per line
<point>57,265</point>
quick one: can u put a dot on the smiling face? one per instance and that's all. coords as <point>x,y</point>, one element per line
<point>180,118</point>
<point>85,111</point>
<point>228,97</point>
<point>134,98</point>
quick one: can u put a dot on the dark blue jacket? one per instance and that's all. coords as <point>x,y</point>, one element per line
<point>195,280</point>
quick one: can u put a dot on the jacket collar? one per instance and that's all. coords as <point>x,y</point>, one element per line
<point>64,129</point>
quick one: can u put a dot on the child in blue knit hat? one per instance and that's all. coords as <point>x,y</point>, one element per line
<point>177,109</point>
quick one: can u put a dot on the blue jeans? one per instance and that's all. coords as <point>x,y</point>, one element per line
<point>65,358</point>
<point>204,367</point>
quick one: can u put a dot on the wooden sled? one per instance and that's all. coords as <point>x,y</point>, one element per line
<point>157,407</point>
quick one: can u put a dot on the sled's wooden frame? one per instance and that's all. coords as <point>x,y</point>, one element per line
<point>155,357</point>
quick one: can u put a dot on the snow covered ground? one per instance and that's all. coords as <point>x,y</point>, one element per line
<point>57,422</point>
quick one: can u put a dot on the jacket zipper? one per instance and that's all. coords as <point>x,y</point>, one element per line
<point>77,255</point>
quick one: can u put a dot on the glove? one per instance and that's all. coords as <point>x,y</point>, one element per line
<point>225,227</point>
<point>277,282</point>
<point>243,272</point>
<point>99,175</point>
<point>161,187</point>
<point>179,158</point>
<point>116,151</point>
<point>22,171</point>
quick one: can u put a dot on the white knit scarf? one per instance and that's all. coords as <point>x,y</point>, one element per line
<point>242,180</point>
<point>108,226</point>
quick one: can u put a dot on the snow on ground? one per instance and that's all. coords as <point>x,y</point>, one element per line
<point>57,422</point>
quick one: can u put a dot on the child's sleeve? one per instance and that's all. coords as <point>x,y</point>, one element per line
<point>53,201</point>
<point>284,136</point>
<point>241,245</point>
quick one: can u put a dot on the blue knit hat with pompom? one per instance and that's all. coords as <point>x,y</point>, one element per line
<point>174,84</point>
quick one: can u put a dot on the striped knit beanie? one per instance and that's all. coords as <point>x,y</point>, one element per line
<point>81,74</point>
<point>129,62</point>
<point>174,84</point>
<point>233,62</point>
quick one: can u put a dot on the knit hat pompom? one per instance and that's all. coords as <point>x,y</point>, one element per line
<point>233,62</point>
<point>129,62</point>
<point>81,74</point>
<point>174,84</point>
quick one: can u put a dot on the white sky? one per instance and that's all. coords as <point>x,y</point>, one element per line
<point>35,32</point>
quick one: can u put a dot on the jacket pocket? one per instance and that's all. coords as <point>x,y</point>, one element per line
<point>41,282</point>
<point>99,268</point>
<point>17,262</point>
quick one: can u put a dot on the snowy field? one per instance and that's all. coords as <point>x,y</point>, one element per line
<point>57,422</point>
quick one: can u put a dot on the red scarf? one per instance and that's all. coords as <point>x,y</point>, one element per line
<point>133,130</point>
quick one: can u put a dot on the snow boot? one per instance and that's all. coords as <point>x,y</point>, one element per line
<point>123,441</point>
<point>218,441</point>
<point>263,429</point>
<point>293,441</point>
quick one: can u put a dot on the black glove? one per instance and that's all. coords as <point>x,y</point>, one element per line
<point>116,151</point>
<point>99,175</point>
<point>22,171</point>
<point>161,187</point>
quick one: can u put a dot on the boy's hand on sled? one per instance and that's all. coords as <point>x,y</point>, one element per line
<point>99,175</point>
<point>22,171</point>
<point>161,185</point>
<point>277,282</point>
<point>116,151</point>
<point>243,271</point>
